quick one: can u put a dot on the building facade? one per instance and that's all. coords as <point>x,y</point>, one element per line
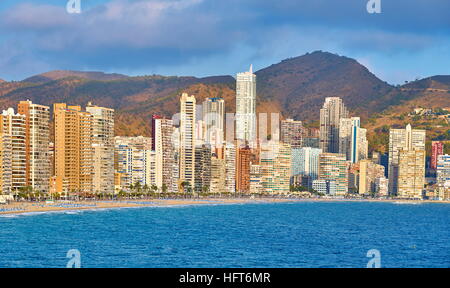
<point>402,140</point>
<point>37,138</point>
<point>333,167</point>
<point>187,139</point>
<point>330,115</point>
<point>246,106</point>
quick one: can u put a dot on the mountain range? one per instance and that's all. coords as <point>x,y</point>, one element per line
<point>296,87</point>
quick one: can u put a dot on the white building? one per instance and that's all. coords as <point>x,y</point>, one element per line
<point>246,106</point>
<point>187,138</point>
<point>402,140</point>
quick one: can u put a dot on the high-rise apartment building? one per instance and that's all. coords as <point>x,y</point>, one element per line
<point>243,162</point>
<point>305,161</point>
<point>368,173</point>
<point>275,161</point>
<point>230,167</point>
<point>402,140</point>
<point>246,106</point>
<point>14,125</point>
<point>103,148</point>
<point>411,174</point>
<point>37,137</point>
<point>218,175</point>
<point>352,139</point>
<point>163,145</point>
<point>5,157</point>
<point>330,115</point>
<point>292,133</point>
<point>333,167</point>
<point>73,151</point>
<point>437,149</point>
<point>133,161</point>
<point>202,167</point>
<point>187,139</point>
<point>213,110</point>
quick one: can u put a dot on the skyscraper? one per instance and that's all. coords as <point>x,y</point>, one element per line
<point>292,133</point>
<point>103,148</point>
<point>187,139</point>
<point>37,133</point>
<point>402,140</point>
<point>213,110</point>
<point>332,111</point>
<point>246,106</point>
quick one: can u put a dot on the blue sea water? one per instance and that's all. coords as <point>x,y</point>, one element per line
<point>300,234</point>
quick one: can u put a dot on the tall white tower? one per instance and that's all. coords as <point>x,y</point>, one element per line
<point>246,106</point>
<point>187,138</point>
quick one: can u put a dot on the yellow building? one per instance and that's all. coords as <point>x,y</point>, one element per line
<point>411,174</point>
<point>275,161</point>
<point>73,149</point>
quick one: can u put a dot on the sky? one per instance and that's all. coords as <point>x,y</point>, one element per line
<point>409,39</point>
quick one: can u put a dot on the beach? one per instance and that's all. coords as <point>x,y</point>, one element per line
<point>38,207</point>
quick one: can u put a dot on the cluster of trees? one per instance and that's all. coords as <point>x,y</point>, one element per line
<point>299,188</point>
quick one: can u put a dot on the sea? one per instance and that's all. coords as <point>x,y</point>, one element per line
<point>259,235</point>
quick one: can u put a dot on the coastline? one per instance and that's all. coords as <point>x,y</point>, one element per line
<point>17,208</point>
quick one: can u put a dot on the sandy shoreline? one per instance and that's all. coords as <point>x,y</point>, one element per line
<point>36,207</point>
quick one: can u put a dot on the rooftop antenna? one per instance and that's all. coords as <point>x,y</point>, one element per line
<point>251,68</point>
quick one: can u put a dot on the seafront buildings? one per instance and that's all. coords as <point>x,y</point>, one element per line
<point>81,156</point>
